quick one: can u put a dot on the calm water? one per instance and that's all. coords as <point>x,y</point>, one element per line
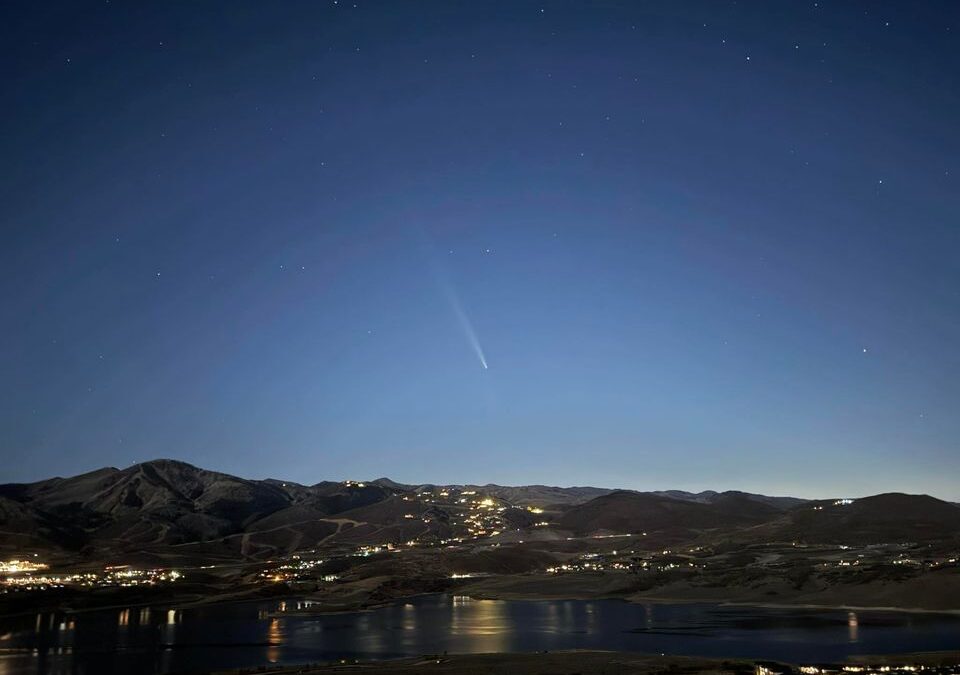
<point>165,641</point>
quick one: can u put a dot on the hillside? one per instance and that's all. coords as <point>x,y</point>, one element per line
<point>170,510</point>
<point>710,496</point>
<point>638,512</point>
<point>521,495</point>
<point>890,517</point>
<point>162,503</point>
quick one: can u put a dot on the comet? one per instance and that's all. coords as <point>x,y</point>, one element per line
<point>452,297</point>
<point>465,324</point>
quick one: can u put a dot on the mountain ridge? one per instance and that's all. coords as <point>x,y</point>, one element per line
<point>162,506</point>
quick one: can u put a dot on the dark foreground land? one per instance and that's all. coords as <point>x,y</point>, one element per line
<point>611,663</point>
<point>555,663</point>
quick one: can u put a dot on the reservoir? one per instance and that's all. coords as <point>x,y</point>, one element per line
<point>160,640</point>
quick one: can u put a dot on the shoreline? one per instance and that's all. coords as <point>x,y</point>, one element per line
<point>784,605</point>
<point>318,608</point>
<point>582,661</point>
<point>632,600</point>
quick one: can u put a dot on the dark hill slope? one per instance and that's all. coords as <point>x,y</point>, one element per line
<point>519,495</point>
<point>635,512</point>
<point>884,518</point>
<point>162,503</point>
<point>710,496</point>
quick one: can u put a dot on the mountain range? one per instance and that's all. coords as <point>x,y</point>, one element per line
<point>166,509</point>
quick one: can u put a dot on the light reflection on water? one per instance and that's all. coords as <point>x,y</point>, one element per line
<point>142,640</point>
<point>410,621</point>
<point>275,639</point>
<point>481,626</point>
<point>591,617</point>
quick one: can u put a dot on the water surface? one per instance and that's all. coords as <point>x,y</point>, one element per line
<point>143,641</point>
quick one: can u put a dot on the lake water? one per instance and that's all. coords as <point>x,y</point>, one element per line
<point>142,641</point>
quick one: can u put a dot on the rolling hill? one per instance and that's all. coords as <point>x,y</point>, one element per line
<point>637,512</point>
<point>166,503</point>
<point>165,509</point>
<point>883,518</point>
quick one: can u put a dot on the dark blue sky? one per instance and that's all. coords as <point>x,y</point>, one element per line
<point>699,245</point>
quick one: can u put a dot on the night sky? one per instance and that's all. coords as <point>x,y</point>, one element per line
<point>646,245</point>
